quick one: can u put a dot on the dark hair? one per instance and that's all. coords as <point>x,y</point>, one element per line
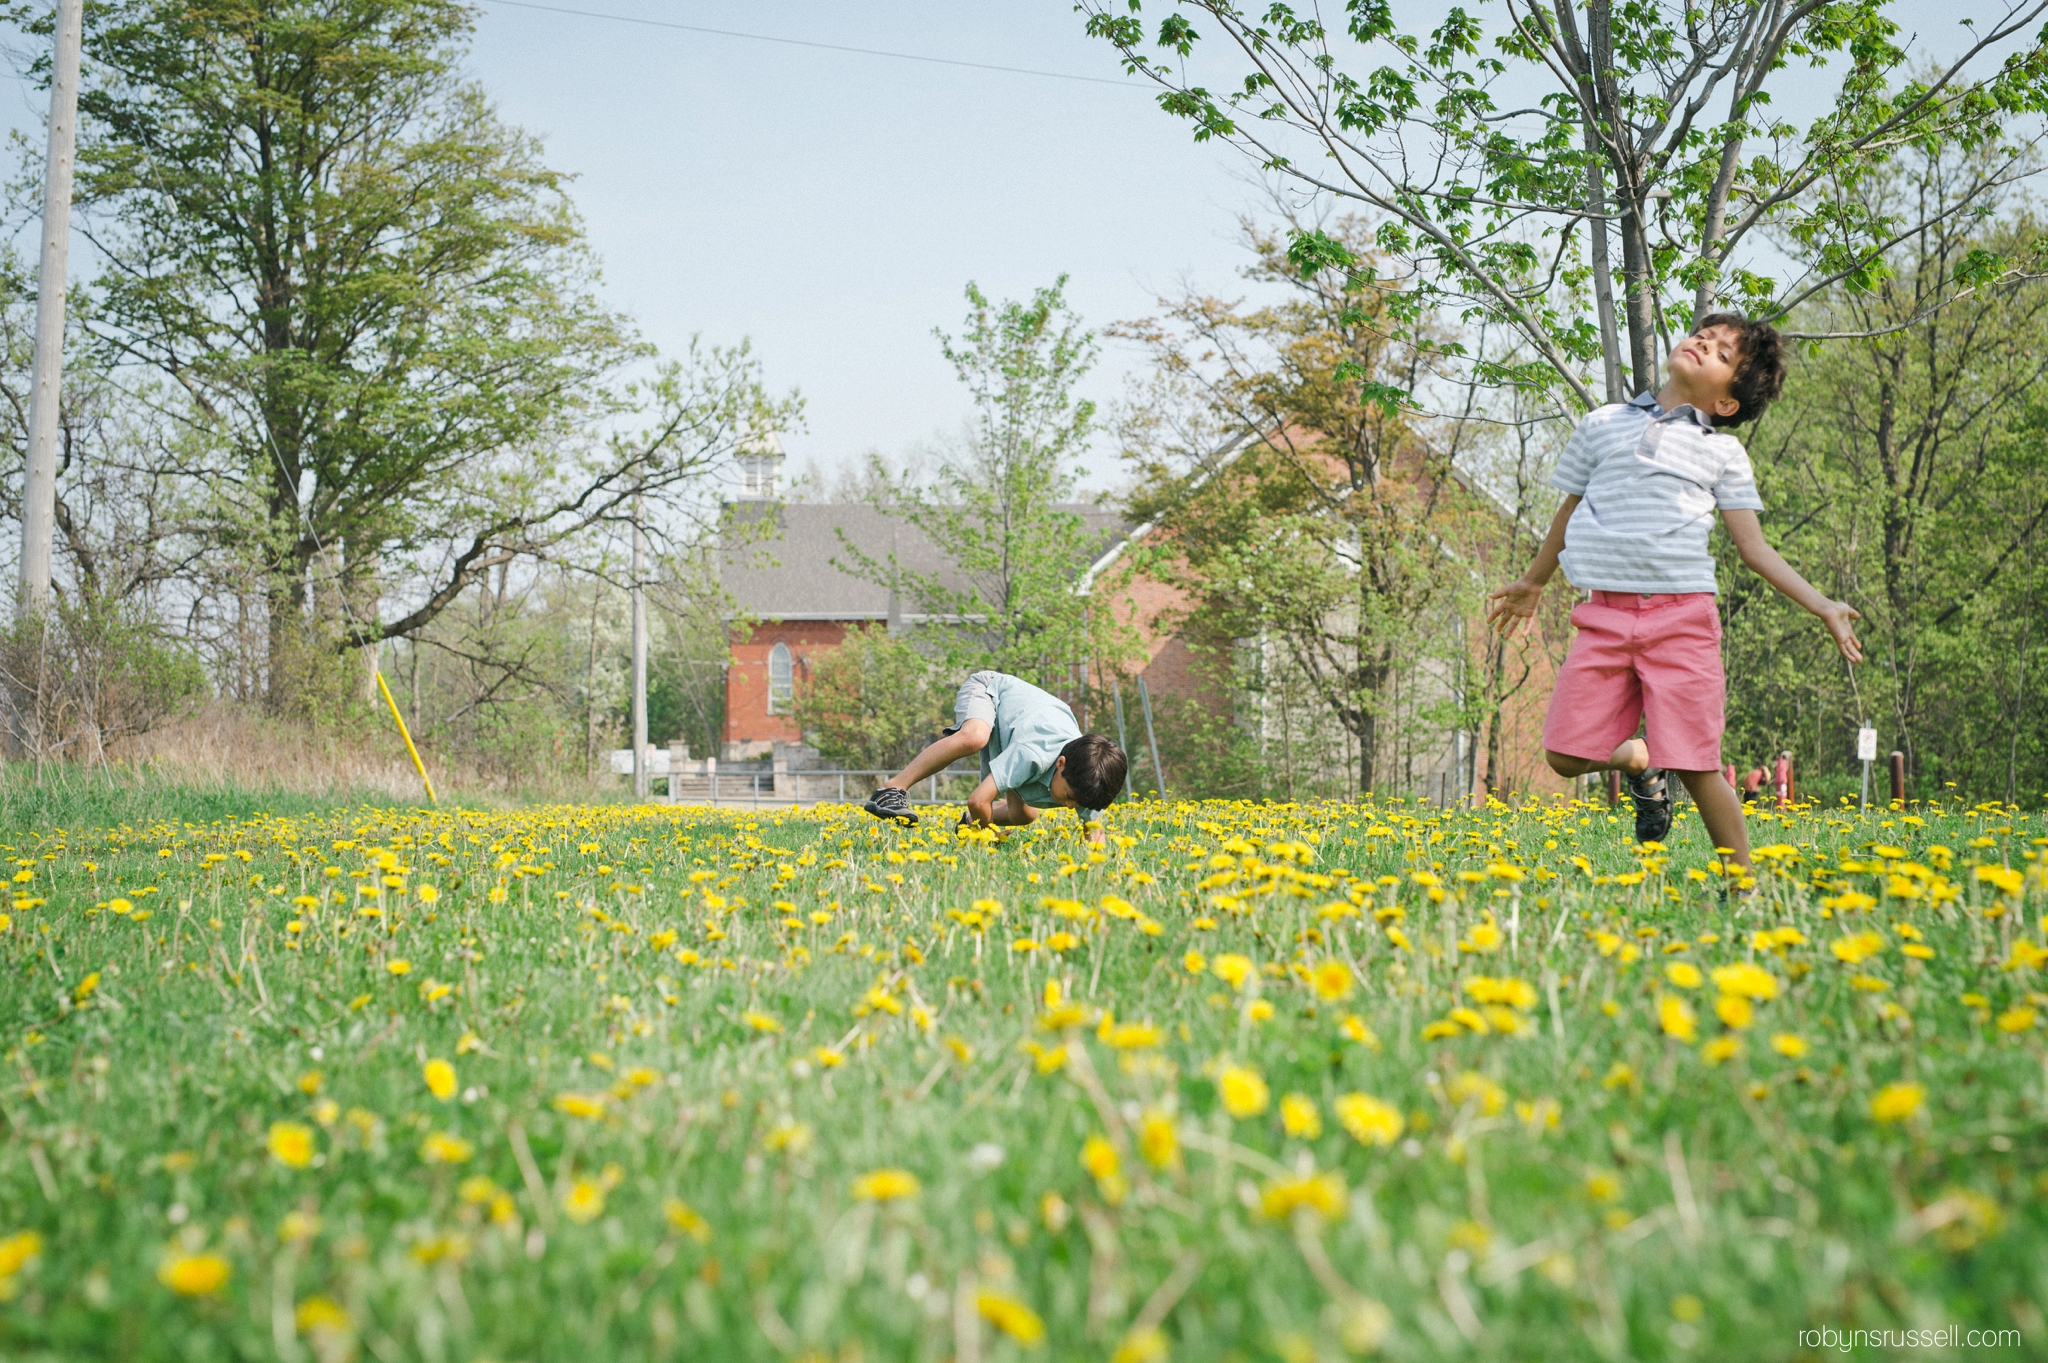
<point>1759,364</point>
<point>1095,770</point>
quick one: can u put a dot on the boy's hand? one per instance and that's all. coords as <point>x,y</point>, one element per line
<point>1513,606</point>
<point>1836,615</point>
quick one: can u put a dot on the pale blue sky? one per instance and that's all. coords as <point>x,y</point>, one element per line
<point>833,206</point>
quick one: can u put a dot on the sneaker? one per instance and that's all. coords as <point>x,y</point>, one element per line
<point>890,803</point>
<point>1651,791</point>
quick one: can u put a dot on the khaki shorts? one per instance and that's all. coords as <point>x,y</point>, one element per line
<point>977,700</point>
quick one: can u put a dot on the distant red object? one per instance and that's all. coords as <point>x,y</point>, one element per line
<point>1781,779</point>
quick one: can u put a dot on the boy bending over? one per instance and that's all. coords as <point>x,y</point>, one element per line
<point>1642,480</point>
<point>1033,754</point>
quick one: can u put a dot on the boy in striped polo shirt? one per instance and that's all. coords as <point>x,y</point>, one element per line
<point>1642,481</point>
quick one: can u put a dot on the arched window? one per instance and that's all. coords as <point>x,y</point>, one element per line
<point>781,680</point>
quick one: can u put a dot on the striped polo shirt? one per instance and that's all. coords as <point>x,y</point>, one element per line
<point>1649,482</point>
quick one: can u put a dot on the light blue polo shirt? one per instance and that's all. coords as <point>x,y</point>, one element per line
<point>1032,728</point>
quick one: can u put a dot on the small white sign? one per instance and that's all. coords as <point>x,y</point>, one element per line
<point>1866,745</point>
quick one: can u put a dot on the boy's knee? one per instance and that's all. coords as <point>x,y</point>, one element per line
<point>1565,765</point>
<point>972,735</point>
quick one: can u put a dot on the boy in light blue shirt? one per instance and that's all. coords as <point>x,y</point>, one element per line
<point>1033,754</point>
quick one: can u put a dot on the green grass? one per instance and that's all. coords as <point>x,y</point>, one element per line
<point>656,1144</point>
<point>70,797</point>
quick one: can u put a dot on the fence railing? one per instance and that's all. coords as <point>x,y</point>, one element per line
<point>713,784</point>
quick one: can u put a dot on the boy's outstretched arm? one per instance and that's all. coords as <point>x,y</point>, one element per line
<point>1002,809</point>
<point>1515,604</point>
<point>1768,564</point>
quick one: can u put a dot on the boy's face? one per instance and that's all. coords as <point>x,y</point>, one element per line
<point>1705,361</point>
<point>1062,793</point>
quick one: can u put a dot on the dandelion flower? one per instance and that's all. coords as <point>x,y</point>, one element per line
<point>1012,1317</point>
<point>1332,981</point>
<point>440,1077</point>
<point>760,1022</point>
<point>1370,1121</point>
<point>1789,1045</point>
<point>1243,1092</point>
<point>194,1275</point>
<point>1746,981</point>
<point>585,1201</point>
<point>320,1315</point>
<point>886,1185</point>
<point>16,1250</point>
<point>291,1144</point>
<point>1099,1158</point>
<point>1677,1019</point>
<point>1684,974</point>
<point>1897,1102</point>
<point>1158,1143</point>
<point>589,1106</point>
<point>398,967</point>
<point>1300,1116</point>
<point>684,1220</point>
<point>1231,968</point>
<point>442,1148</point>
<point>1734,1010</point>
<point>1322,1194</point>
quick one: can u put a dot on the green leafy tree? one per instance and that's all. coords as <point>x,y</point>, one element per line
<point>376,299</point>
<point>1320,530</point>
<point>998,508</point>
<point>873,702</point>
<point>1502,154</point>
<point>1907,468</point>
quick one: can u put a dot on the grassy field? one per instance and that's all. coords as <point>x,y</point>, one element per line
<point>1261,1082</point>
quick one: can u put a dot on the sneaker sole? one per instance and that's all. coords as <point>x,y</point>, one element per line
<point>908,820</point>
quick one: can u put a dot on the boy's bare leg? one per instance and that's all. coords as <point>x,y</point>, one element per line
<point>1721,811</point>
<point>1632,756</point>
<point>942,753</point>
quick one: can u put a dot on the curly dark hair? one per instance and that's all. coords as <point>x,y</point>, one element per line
<point>1759,364</point>
<point>1095,769</point>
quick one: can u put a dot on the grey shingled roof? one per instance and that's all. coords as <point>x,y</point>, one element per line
<point>796,573</point>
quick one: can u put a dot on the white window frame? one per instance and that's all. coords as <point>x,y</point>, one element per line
<point>781,680</point>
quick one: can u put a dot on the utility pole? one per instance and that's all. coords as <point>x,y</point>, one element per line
<point>640,764</point>
<point>39,490</point>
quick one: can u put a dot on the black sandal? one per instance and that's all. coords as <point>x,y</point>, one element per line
<point>1651,791</point>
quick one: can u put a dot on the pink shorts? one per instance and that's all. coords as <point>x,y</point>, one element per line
<point>1635,656</point>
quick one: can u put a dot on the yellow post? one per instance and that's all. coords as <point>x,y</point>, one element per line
<point>406,734</point>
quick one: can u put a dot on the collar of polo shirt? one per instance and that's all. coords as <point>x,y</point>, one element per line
<point>1648,402</point>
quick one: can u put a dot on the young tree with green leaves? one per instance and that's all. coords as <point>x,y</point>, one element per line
<point>1503,152</point>
<point>1321,530</point>
<point>996,508</point>
<point>873,702</point>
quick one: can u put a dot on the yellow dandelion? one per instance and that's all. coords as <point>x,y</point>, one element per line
<point>443,1148</point>
<point>1243,1092</point>
<point>320,1315</point>
<point>1322,1194</point>
<point>194,1275</point>
<point>1332,981</point>
<point>886,1185</point>
<point>1300,1116</point>
<point>1158,1142</point>
<point>1789,1045</point>
<point>1677,1019</point>
<point>1897,1102</point>
<point>589,1106</point>
<point>1012,1317</point>
<point>1368,1120</point>
<point>399,967</point>
<point>584,1202</point>
<point>291,1144</point>
<point>440,1077</point>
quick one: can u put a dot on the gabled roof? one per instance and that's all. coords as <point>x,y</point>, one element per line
<point>802,570</point>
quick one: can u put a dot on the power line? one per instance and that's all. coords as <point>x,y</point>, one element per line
<point>806,42</point>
